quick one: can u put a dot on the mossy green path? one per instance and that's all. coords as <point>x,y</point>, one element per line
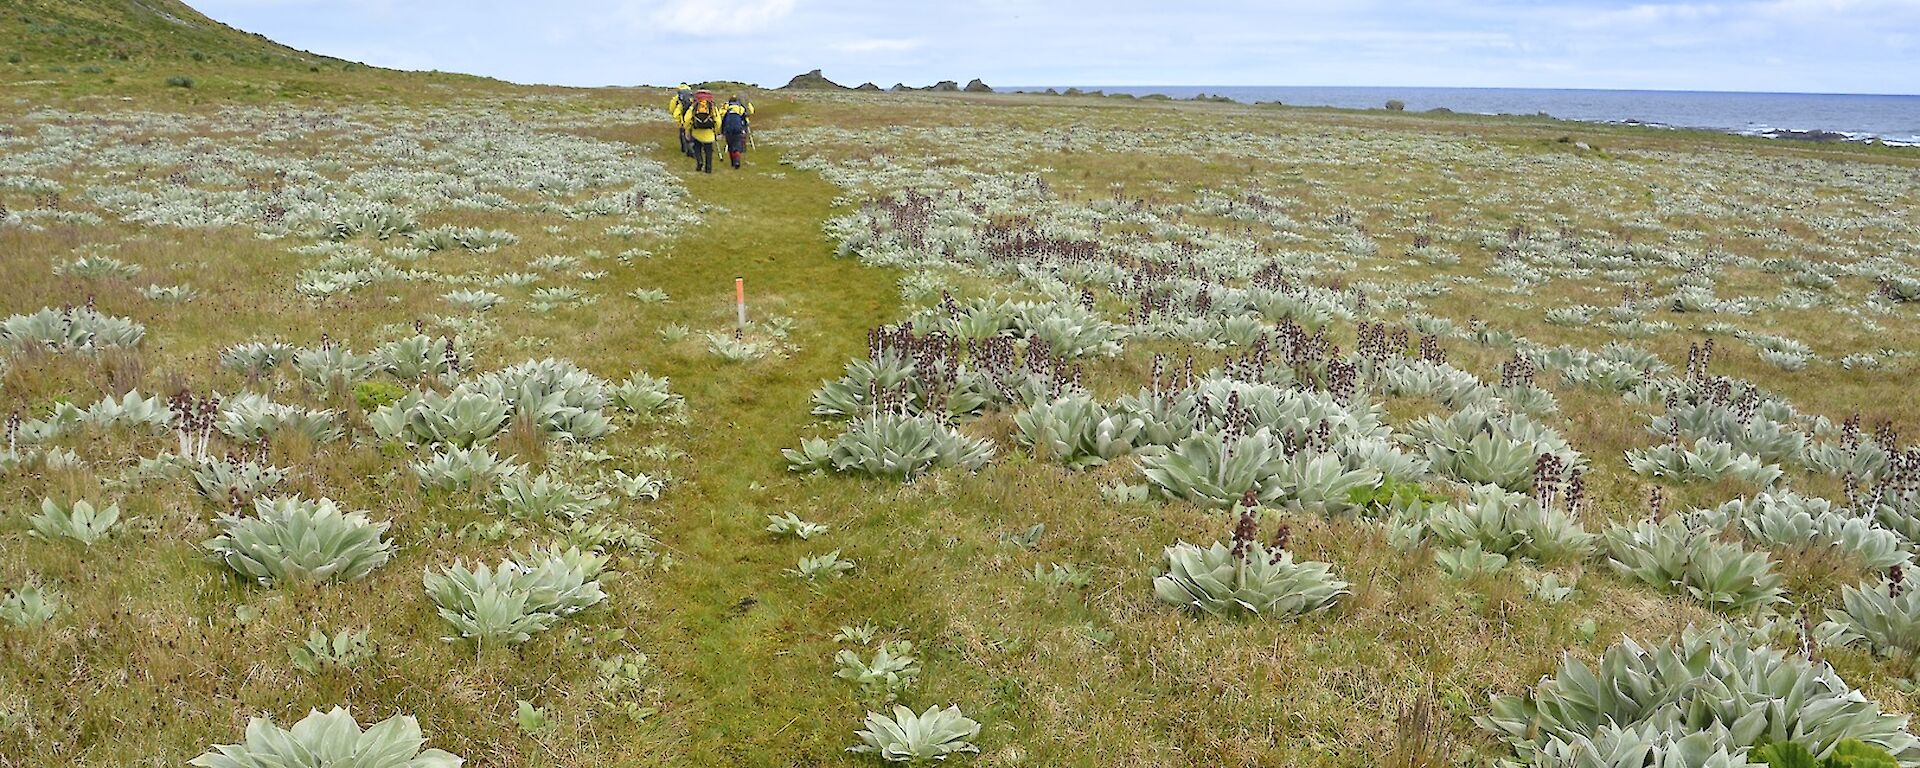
<point>726,645</point>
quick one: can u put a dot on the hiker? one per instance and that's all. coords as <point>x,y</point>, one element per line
<point>701,120</point>
<point>734,125</point>
<point>677,105</point>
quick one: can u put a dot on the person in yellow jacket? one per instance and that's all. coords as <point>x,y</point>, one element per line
<point>735,126</point>
<point>701,121</point>
<point>677,105</point>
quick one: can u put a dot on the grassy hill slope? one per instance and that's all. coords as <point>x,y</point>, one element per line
<point>101,31</point>
<point>79,48</point>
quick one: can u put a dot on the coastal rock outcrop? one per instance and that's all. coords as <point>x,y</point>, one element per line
<point>976,85</point>
<point>1814,135</point>
<point>812,81</point>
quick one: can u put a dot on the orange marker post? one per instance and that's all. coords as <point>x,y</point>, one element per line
<point>740,301</point>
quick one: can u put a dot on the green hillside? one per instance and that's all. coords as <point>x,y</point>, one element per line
<point>163,48</point>
<point>99,32</point>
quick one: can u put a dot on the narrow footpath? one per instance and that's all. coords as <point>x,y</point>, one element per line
<point>726,643</point>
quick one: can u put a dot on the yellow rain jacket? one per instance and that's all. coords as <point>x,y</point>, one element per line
<point>703,135</point>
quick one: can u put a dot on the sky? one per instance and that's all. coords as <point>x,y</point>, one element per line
<point>1822,46</point>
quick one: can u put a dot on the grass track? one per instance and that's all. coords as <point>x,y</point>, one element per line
<point>732,637</point>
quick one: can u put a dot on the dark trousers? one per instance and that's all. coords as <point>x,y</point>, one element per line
<point>686,143</point>
<point>736,144</point>
<point>703,156</point>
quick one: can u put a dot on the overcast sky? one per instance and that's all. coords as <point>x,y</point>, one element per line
<point>1844,46</point>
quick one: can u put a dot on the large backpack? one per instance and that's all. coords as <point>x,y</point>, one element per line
<point>735,121</point>
<point>686,100</point>
<point>701,118</point>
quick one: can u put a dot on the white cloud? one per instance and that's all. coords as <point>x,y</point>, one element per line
<point>880,45</point>
<point>390,57</point>
<point>1826,45</point>
<point>1645,15</point>
<point>211,7</point>
<point>709,17</point>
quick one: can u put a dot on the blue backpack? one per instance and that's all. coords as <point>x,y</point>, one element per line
<point>733,122</point>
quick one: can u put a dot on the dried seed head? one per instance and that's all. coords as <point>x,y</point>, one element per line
<point>1247,531</point>
<point>1281,538</point>
<point>1887,435</point>
<point>1809,645</point>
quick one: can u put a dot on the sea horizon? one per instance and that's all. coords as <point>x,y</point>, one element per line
<point>1892,119</point>
<point>1189,86</point>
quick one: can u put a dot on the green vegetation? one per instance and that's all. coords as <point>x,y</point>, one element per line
<point>330,738</point>
<point>1846,754</point>
<point>1539,454</point>
<point>80,48</point>
<point>145,31</point>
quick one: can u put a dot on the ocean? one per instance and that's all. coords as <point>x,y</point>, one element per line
<point>1890,119</point>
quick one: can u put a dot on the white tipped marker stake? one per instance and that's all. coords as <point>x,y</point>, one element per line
<point>740,305</point>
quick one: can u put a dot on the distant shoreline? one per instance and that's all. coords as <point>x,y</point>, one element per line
<point>1888,119</point>
<point>1169,90</point>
